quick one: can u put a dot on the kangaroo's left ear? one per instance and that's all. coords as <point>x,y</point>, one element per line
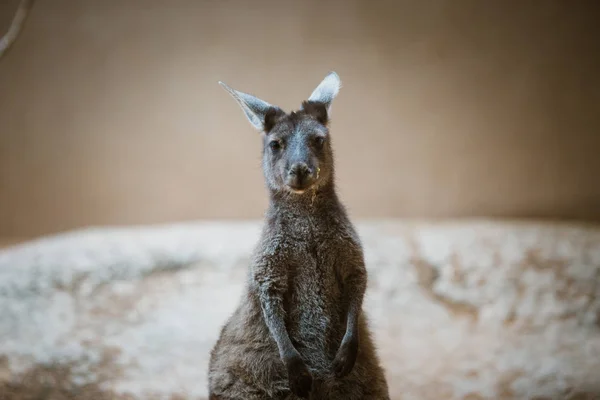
<point>319,102</point>
<point>260,113</point>
<point>327,90</point>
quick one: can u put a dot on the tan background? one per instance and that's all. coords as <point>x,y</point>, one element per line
<point>110,112</point>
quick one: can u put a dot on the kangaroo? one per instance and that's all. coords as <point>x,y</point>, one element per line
<point>299,330</point>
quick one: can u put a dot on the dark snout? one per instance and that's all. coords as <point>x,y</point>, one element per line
<point>300,176</point>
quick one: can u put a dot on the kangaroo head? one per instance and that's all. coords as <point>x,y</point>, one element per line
<point>297,153</point>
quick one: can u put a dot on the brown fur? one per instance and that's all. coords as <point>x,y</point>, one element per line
<point>299,330</point>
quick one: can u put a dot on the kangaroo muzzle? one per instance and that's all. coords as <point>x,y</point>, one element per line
<point>300,177</point>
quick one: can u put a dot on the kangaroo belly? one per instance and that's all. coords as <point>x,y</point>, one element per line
<point>315,313</point>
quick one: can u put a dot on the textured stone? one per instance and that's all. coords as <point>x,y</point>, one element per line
<point>461,310</point>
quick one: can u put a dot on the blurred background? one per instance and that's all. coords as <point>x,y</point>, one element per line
<point>467,139</point>
<point>110,112</point>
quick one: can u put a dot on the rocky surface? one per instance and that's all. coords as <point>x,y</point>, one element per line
<point>469,310</point>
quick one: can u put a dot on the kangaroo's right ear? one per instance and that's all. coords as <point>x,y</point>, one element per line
<point>261,114</point>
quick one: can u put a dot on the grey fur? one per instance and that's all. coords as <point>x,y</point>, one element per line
<point>299,330</point>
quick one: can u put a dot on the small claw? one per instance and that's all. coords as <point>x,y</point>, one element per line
<point>299,377</point>
<point>345,359</point>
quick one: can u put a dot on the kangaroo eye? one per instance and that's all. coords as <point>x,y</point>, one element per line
<point>319,141</point>
<point>275,145</point>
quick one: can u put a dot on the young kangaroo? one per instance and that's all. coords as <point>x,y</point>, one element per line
<point>299,331</point>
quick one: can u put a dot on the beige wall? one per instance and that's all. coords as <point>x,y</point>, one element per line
<point>110,112</point>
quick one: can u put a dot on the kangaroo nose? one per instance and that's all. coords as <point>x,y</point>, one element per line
<point>299,170</point>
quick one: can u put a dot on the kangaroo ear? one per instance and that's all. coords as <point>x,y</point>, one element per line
<point>326,91</point>
<point>256,110</point>
<point>317,110</point>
